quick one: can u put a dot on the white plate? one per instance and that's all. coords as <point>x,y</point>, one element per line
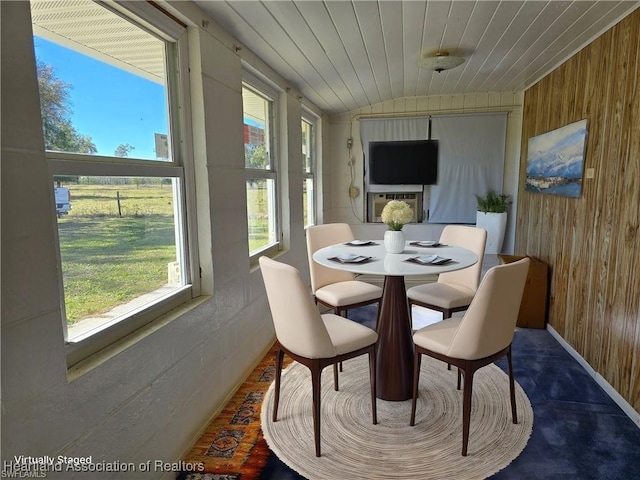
<point>432,260</point>
<point>351,258</point>
<point>427,258</point>
<point>357,243</point>
<point>426,243</point>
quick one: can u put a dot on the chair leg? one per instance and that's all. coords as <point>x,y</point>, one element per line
<point>372,381</point>
<point>335,376</point>
<point>378,314</point>
<point>447,314</point>
<point>512,388</point>
<point>416,379</point>
<point>315,382</point>
<point>342,313</point>
<point>466,408</point>
<point>459,375</point>
<point>276,397</point>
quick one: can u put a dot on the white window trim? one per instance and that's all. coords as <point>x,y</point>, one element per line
<point>311,119</point>
<point>181,167</point>
<point>260,87</point>
<point>153,18</point>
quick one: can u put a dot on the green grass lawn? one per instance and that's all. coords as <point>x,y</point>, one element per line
<point>109,260</point>
<point>258,222</point>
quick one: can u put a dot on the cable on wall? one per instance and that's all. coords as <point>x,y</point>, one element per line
<point>352,190</point>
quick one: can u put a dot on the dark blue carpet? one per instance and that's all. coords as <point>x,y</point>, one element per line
<point>578,431</point>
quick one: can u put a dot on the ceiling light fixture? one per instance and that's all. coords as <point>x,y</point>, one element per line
<point>440,61</point>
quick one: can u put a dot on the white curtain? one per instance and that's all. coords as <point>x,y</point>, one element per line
<point>389,130</point>
<point>471,151</point>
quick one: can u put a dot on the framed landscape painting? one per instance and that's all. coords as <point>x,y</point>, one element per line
<point>555,160</point>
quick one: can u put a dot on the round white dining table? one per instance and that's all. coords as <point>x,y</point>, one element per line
<point>395,349</point>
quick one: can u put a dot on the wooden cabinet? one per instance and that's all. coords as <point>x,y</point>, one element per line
<point>533,309</point>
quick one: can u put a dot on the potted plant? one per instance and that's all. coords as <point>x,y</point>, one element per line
<point>492,216</point>
<point>395,214</point>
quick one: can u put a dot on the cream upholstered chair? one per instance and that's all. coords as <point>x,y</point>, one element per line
<point>480,337</point>
<point>333,288</point>
<point>453,291</point>
<point>314,340</point>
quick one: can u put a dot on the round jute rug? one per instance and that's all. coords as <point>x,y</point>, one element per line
<point>354,448</point>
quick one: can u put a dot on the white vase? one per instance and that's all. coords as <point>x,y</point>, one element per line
<point>495,224</point>
<point>394,241</point>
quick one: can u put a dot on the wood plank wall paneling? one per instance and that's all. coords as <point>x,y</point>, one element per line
<point>592,243</point>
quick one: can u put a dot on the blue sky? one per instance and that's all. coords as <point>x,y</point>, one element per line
<point>110,105</point>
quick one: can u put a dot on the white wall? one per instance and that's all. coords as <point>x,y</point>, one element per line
<point>343,209</point>
<point>151,399</point>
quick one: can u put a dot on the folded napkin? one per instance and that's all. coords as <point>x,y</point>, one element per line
<point>350,258</point>
<point>429,260</point>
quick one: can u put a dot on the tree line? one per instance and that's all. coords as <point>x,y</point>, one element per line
<point>55,107</point>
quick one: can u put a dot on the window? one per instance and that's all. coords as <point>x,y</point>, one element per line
<point>308,170</point>
<point>258,102</point>
<point>108,105</point>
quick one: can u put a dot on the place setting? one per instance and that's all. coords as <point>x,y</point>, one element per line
<point>426,243</point>
<point>361,243</point>
<point>350,258</point>
<point>429,260</point>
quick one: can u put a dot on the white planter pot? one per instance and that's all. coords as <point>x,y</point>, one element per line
<point>495,224</point>
<point>394,241</point>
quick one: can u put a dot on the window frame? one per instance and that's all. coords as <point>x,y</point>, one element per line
<point>271,94</point>
<point>312,121</point>
<point>180,167</point>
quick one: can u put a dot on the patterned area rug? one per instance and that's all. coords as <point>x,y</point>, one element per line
<point>576,423</point>
<point>233,447</point>
<point>354,448</point>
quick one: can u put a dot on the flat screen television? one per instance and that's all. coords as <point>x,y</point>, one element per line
<point>410,162</point>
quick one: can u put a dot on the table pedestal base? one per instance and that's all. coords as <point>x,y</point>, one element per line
<point>395,343</point>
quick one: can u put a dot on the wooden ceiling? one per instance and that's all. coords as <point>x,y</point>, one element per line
<point>343,55</point>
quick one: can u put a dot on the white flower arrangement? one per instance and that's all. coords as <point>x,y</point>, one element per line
<point>396,213</point>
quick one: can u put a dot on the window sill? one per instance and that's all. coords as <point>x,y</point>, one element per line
<point>270,251</point>
<point>88,364</point>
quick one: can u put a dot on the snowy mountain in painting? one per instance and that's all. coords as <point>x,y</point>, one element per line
<point>560,155</point>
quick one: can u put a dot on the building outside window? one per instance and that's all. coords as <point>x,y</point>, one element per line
<point>308,170</point>
<point>260,163</point>
<point>109,98</point>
